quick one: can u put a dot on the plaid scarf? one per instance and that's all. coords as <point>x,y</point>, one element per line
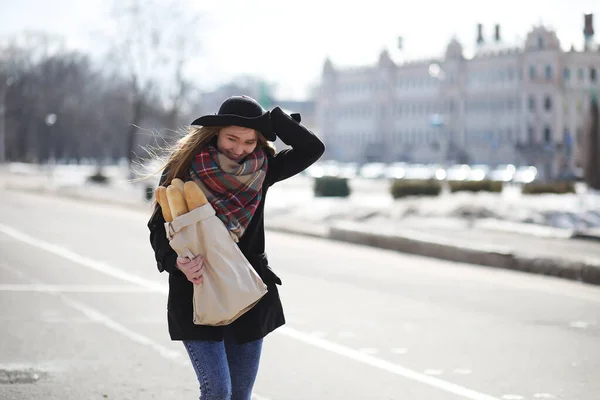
<point>233,189</point>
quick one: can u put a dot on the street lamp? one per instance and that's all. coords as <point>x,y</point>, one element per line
<point>435,71</point>
<point>50,120</point>
<point>437,120</point>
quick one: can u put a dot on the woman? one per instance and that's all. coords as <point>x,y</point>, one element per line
<point>232,147</point>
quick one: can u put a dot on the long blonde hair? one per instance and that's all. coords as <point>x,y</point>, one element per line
<point>186,148</point>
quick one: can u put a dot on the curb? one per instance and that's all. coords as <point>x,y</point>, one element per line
<point>584,271</point>
<point>593,236</point>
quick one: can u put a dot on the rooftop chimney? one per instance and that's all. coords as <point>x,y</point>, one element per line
<point>588,30</point>
<point>479,34</point>
<point>497,33</point>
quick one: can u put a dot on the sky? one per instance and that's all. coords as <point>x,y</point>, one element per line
<point>286,42</point>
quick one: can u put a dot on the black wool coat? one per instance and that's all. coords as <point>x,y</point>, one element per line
<point>267,314</point>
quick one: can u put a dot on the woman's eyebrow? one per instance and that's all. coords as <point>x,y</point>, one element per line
<point>232,135</point>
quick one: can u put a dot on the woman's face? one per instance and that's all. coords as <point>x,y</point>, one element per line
<point>236,142</point>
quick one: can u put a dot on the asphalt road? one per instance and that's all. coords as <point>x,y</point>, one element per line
<point>83,312</point>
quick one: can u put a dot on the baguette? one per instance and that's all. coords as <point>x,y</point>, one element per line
<point>176,201</point>
<point>161,198</point>
<point>194,197</point>
<point>178,183</point>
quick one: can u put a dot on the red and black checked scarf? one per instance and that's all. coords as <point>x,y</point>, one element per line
<point>233,189</point>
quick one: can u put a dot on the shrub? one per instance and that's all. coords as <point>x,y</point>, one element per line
<point>331,186</point>
<point>475,186</point>
<point>402,188</point>
<point>98,177</point>
<point>549,187</point>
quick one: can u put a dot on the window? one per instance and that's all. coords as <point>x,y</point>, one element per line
<point>566,137</point>
<point>530,134</point>
<point>532,72</point>
<point>548,103</point>
<point>580,74</point>
<point>548,72</point>
<point>531,103</point>
<point>592,74</point>
<point>547,135</point>
<point>567,74</point>
<point>540,42</point>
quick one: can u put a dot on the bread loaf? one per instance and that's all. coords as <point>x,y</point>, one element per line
<point>176,201</point>
<point>161,198</point>
<point>194,197</point>
<point>178,183</point>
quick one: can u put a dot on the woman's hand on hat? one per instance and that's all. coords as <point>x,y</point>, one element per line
<point>193,269</point>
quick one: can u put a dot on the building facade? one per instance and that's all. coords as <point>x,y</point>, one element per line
<point>506,105</point>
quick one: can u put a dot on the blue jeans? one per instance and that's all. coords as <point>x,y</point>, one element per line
<point>226,370</point>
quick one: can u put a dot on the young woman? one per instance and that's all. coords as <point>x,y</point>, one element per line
<point>232,155</point>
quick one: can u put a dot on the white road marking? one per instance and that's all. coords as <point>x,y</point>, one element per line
<point>383,364</point>
<point>286,331</point>
<point>462,371</point>
<point>433,372</point>
<point>96,315</point>
<point>580,324</point>
<point>100,318</point>
<point>257,397</point>
<point>84,261</point>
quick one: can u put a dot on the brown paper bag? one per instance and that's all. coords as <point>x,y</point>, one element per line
<point>231,285</point>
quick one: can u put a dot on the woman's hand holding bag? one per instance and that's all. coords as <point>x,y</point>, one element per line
<point>225,283</point>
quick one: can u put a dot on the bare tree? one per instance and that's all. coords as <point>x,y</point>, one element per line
<point>24,100</point>
<point>58,104</point>
<point>152,47</point>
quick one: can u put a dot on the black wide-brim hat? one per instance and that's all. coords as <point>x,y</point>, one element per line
<point>240,111</point>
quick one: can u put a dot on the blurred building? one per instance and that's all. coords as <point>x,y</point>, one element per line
<point>305,108</point>
<point>518,105</point>
<point>210,101</point>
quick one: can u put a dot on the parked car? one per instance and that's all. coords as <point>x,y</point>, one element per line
<point>478,172</point>
<point>458,172</point>
<point>502,173</point>
<point>525,174</point>
<point>375,170</point>
<point>419,172</point>
<point>396,170</point>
